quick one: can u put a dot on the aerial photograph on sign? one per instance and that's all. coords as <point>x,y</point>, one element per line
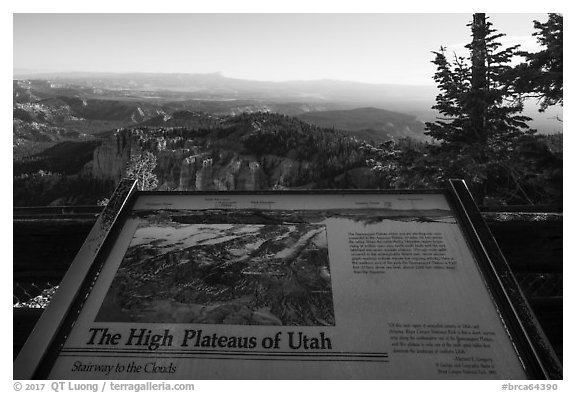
<point>225,273</point>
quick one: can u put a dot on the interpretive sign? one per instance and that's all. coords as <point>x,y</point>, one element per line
<point>291,285</point>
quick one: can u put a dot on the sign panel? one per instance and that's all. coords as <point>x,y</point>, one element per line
<point>289,286</point>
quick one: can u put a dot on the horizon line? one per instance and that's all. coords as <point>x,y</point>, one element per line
<point>31,72</point>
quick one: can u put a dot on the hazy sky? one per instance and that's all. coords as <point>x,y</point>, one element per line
<point>373,48</point>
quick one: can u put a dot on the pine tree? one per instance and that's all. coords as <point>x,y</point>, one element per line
<point>480,112</point>
<point>541,76</point>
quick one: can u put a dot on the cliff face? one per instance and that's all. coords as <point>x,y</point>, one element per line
<point>239,173</point>
<point>186,168</point>
<point>169,167</point>
<point>110,158</point>
<point>246,152</point>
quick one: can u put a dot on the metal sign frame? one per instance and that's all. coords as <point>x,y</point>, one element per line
<point>47,339</point>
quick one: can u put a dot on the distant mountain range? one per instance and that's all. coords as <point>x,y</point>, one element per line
<point>217,86</point>
<point>214,92</point>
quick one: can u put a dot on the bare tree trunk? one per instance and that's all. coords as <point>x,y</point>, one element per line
<point>479,90</point>
<point>479,79</point>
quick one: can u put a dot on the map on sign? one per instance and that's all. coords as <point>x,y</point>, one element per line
<point>237,274</point>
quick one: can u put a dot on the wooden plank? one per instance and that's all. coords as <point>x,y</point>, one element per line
<point>534,246</point>
<point>44,249</point>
